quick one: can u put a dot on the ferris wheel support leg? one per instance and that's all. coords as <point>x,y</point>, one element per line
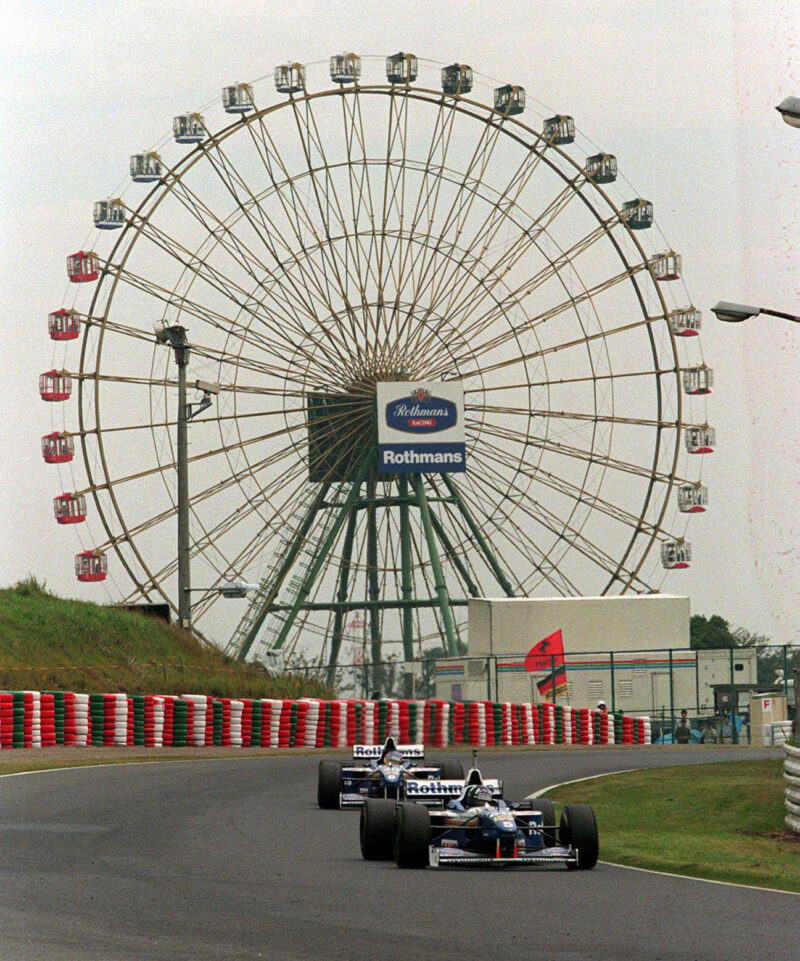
<point>438,576</point>
<point>374,584</point>
<point>273,587</point>
<point>491,560</point>
<point>341,612</point>
<point>322,553</point>
<point>406,585</point>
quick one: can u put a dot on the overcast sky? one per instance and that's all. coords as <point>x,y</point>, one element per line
<point>682,92</point>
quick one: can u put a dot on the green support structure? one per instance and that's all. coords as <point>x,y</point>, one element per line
<point>344,577</point>
<point>491,560</point>
<point>319,559</point>
<point>285,567</point>
<point>406,585</point>
<point>438,575</point>
<point>373,583</point>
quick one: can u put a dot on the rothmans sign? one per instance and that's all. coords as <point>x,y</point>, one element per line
<point>421,428</point>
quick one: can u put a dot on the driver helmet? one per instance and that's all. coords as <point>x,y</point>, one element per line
<point>601,705</point>
<point>393,758</point>
<point>477,795</point>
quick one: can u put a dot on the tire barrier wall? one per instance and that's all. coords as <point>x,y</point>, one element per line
<point>51,718</point>
<point>791,777</point>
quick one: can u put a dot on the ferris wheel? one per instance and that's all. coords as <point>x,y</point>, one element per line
<point>347,228</point>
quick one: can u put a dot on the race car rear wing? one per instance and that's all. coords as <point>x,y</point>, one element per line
<point>369,752</point>
<point>436,793</point>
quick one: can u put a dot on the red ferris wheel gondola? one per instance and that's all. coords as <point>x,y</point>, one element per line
<point>70,508</point>
<point>91,566</point>
<point>64,324</point>
<point>83,267</point>
<point>55,385</point>
<point>58,447</point>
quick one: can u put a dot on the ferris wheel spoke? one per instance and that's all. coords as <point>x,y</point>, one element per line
<point>268,232</point>
<point>297,214</point>
<point>210,537</point>
<point>580,495</point>
<point>456,217</point>
<point>601,335</point>
<point>459,287</point>
<point>430,187</point>
<point>472,296</point>
<point>169,467</point>
<point>289,297</point>
<point>570,535</point>
<point>222,323</point>
<point>602,460</point>
<point>586,295</point>
<point>346,269</point>
<point>221,283</point>
<point>518,540</point>
<point>503,212</point>
<point>303,222</point>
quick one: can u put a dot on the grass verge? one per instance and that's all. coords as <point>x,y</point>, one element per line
<point>48,643</point>
<point>722,822</point>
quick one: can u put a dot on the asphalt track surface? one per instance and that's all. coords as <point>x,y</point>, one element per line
<point>232,859</point>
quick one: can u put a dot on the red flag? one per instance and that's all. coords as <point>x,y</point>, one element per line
<point>546,654</point>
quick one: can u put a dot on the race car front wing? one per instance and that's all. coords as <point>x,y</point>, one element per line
<point>446,857</point>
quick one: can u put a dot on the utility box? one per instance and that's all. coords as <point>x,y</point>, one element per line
<point>765,710</point>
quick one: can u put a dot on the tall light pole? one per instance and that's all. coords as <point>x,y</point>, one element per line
<point>736,313</point>
<point>175,337</point>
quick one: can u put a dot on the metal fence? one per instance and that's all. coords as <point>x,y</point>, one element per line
<point>713,686</point>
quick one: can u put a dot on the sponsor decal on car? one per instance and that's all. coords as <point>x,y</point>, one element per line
<point>420,788</point>
<point>370,751</point>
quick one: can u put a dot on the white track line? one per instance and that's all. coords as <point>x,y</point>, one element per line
<point>665,874</point>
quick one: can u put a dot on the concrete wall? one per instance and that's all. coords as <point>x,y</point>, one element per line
<point>601,624</point>
<point>647,635</point>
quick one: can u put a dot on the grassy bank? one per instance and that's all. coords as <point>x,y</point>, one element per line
<point>48,643</point>
<point>723,822</point>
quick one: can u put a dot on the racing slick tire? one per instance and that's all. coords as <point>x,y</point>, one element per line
<point>452,771</point>
<point>548,817</point>
<point>412,836</point>
<point>578,830</point>
<point>376,829</point>
<point>329,779</point>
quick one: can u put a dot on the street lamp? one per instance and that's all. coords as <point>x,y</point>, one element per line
<point>789,109</point>
<point>736,313</point>
<point>174,336</point>
<point>228,589</point>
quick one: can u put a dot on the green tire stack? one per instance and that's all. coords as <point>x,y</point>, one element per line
<point>257,723</point>
<point>292,723</point>
<point>559,724</point>
<point>413,713</point>
<point>217,723</point>
<point>97,718</point>
<point>618,727</point>
<point>326,721</point>
<point>180,722</point>
<point>138,719</point>
<point>497,714</point>
<point>18,737</point>
<point>383,713</point>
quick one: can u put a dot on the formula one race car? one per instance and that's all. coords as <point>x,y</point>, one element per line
<point>389,771</point>
<point>479,829</point>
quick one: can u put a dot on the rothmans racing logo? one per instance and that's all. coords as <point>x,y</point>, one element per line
<point>422,413</point>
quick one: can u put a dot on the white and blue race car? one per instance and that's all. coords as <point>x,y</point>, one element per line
<point>479,829</point>
<point>394,772</point>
